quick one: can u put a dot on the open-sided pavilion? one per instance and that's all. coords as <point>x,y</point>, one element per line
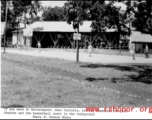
<point>60,34</point>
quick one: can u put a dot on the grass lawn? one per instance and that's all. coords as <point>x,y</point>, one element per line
<point>30,86</point>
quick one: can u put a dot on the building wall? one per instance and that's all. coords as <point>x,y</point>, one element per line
<point>140,47</point>
<point>14,41</point>
<point>28,42</point>
<point>150,51</point>
<point>20,39</point>
<point>149,47</point>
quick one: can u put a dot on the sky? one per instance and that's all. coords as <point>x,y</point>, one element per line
<point>53,3</point>
<point>61,3</point>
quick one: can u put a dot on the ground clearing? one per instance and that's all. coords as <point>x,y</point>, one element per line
<point>28,86</point>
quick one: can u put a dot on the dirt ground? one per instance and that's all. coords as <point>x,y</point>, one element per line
<point>45,82</point>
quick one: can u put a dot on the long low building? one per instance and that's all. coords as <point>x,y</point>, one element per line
<point>140,40</point>
<point>60,33</point>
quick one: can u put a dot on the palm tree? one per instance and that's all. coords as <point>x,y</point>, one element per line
<point>32,8</point>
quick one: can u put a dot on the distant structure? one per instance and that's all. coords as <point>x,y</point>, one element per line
<point>60,33</point>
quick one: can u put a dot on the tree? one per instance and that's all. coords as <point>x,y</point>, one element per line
<point>18,12</point>
<point>75,14</point>
<point>143,18</point>
<point>15,15</point>
<point>103,15</point>
<point>10,15</point>
<point>10,26</point>
<point>77,11</point>
<point>27,7</point>
<point>110,16</point>
<point>149,6</point>
<point>31,8</point>
<point>53,14</point>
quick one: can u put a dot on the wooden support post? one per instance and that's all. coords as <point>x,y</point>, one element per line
<point>110,42</point>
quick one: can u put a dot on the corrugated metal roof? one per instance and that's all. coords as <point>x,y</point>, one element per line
<point>141,37</point>
<point>61,26</point>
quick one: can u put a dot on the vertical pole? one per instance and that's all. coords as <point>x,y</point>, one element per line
<point>19,36</point>
<point>119,36</point>
<point>25,27</point>
<point>130,24</point>
<point>17,31</point>
<point>77,56</point>
<point>5,25</point>
<point>55,40</point>
<point>110,42</point>
<point>85,42</point>
<point>119,43</point>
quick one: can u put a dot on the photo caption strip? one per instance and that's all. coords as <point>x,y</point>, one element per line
<point>76,113</point>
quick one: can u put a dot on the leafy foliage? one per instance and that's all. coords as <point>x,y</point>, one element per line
<point>53,14</point>
<point>108,16</point>
<point>20,7</point>
<point>76,12</point>
<point>34,8</point>
<point>143,18</point>
<point>103,15</point>
<point>10,17</point>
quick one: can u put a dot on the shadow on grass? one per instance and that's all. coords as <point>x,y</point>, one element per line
<point>114,80</point>
<point>144,73</point>
<point>122,68</point>
<point>13,106</point>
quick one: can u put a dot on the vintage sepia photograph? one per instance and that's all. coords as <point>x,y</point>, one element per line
<point>76,54</point>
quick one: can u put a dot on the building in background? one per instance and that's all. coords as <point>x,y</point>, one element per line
<point>8,35</point>
<point>17,36</point>
<point>140,40</point>
<point>2,32</point>
<point>60,34</point>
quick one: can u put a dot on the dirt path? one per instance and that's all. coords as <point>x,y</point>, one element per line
<point>127,90</point>
<point>83,57</point>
